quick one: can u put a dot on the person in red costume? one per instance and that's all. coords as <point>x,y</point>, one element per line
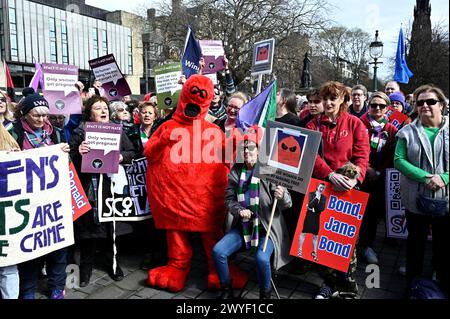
<point>186,183</point>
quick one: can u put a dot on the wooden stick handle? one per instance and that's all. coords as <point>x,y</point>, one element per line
<point>270,224</point>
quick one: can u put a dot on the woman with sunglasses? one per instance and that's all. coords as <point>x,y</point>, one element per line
<point>249,201</point>
<point>422,156</point>
<point>345,140</point>
<point>382,146</point>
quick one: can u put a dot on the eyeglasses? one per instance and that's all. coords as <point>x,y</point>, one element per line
<point>375,105</point>
<point>429,102</point>
<point>3,100</point>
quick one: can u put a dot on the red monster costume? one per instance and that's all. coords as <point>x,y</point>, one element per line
<point>186,188</point>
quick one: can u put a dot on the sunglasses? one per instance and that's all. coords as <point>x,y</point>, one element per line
<point>251,148</point>
<point>3,100</point>
<point>375,105</point>
<point>429,102</point>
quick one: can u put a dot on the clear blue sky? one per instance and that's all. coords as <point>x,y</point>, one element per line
<point>368,15</point>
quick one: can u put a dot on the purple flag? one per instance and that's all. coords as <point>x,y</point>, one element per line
<point>259,110</point>
<point>38,77</point>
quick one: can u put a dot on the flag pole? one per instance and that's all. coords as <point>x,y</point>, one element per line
<point>260,79</point>
<point>270,224</point>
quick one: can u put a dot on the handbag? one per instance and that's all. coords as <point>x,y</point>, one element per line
<point>432,206</point>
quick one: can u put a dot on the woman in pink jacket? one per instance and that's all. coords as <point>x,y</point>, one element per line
<point>344,139</point>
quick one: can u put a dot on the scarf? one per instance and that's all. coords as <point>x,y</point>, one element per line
<point>35,138</point>
<point>378,137</point>
<point>250,227</point>
<point>218,111</point>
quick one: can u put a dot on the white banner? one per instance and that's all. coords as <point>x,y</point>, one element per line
<point>35,204</point>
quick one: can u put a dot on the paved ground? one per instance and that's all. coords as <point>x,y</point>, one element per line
<point>289,285</point>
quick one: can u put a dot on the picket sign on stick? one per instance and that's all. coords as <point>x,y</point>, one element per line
<point>270,224</point>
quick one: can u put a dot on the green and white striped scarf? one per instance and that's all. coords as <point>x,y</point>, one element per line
<point>250,227</point>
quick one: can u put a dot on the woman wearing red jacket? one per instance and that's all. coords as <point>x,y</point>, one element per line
<point>344,139</point>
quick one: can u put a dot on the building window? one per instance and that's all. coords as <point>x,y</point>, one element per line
<point>65,43</point>
<point>13,32</point>
<point>130,55</point>
<point>95,42</point>
<point>52,34</point>
<point>104,42</point>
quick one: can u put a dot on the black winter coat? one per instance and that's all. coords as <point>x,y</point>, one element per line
<point>88,225</point>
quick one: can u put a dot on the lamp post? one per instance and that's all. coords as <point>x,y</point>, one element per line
<point>375,51</point>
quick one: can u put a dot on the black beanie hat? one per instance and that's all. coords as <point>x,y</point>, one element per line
<point>31,100</point>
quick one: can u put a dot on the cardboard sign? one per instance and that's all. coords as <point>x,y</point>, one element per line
<point>80,202</point>
<point>104,142</point>
<point>395,211</point>
<point>59,88</point>
<point>35,204</point>
<point>213,52</point>
<point>262,61</point>
<point>328,225</point>
<point>167,88</point>
<point>287,155</point>
<point>395,117</point>
<point>129,201</point>
<point>108,72</point>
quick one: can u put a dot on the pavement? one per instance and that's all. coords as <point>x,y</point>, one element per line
<point>289,285</point>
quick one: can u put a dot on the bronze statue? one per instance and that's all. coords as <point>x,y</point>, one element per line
<point>306,74</point>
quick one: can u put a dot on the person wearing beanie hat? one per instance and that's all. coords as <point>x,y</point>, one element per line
<point>398,101</point>
<point>33,130</point>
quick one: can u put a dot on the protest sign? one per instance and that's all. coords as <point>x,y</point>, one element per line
<point>288,155</point>
<point>395,211</point>
<point>395,117</point>
<point>59,88</point>
<point>213,52</point>
<point>167,88</point>
<point>35,204</point>
<point>104,143</point>
<point>328,225</point>
<point>107,71</point>
<point>262,61</point>
<point>80,202</point>
<point>129,201</point>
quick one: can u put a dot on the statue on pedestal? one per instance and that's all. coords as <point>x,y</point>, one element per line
<point>306,73</point>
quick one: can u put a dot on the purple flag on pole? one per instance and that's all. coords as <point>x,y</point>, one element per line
<point>38,77</point>
<point>259,110</point>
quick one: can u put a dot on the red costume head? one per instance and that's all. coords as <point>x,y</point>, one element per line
<point>195,99</point>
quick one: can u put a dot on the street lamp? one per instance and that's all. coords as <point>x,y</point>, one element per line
<point>375,51</point>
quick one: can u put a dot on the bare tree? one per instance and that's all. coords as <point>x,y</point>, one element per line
<point>340,46</point>
<point>241,23</point>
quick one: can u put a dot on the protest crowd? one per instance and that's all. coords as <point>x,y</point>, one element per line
<point>361,136</point>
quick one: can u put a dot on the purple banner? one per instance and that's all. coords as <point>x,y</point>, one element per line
<point>59,88</point>
<point>108,72</point>
<point>104,142</point>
